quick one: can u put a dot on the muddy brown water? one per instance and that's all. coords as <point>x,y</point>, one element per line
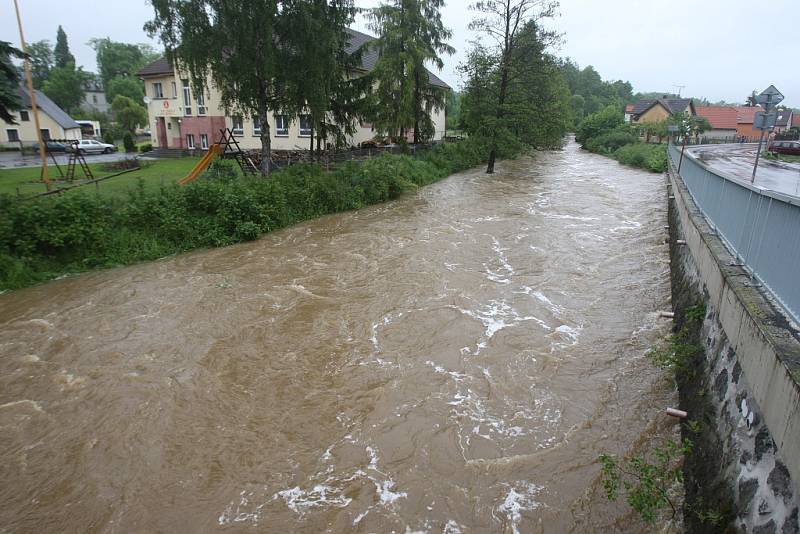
<point>453,361</point>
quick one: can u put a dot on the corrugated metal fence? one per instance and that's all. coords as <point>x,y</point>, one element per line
<point>759,226</point>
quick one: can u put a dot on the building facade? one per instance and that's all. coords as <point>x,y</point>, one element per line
<point>94,98</point>
<point>179,118</point>
<point>53,121</point>
<point>723,121</point>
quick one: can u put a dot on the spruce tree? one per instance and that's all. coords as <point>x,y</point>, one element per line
<point>63,56</point>
<point>410,34</point>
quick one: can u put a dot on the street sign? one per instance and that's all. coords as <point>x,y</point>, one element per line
<point>765,120</point>
<point>769,97</point>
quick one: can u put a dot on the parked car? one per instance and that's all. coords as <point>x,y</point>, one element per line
<point>785,147</point>
<point>90,146</point>
<point>52,146</point>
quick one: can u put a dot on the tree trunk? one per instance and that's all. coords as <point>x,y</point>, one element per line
<point>266,147</point>
<point>311,143</point>
<point>416,106</point>
<point>501,100</point>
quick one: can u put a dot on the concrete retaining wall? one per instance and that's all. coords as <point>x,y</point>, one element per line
<point>746,393</point>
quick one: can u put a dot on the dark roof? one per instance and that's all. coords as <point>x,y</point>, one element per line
<point>369,58</point>
<point>49,107</point>
<point>93,84</point>
<point>784,117</point>
<point>159,66</point>
<point>673,105</point>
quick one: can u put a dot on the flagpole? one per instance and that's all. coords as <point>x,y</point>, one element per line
<point>34,108</point>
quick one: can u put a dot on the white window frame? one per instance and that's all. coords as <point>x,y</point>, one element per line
<point>304,132</point>
<point>204,141</point>
<point>8,135</point>
<point>240,129</point>
<point>190,141</point>
<point>187,98</point>
<point>174,90</point>
<point>201,104</point>
<point>158,90</point>
<point>281,126</point>
<point>256,127</point>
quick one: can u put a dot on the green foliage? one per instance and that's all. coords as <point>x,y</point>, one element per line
<point>108,138</point>
<point>65,87</point>
<point>590,92</point>
<point>646,483</point>
<point>62,56</point>
<point>145,147</point>
<point>115,59</point>
<point>128,86</point>
<point>608,143</point>
<point>46,237</point>
<point>606,120</point>
<point>128,113</point>
<point>410,34</point>
<point>678,351</point>
<point>9,82</point>
<point>127,142</point>
<point>41,59</point>
<point>646,156</point>
<point>453,111</point>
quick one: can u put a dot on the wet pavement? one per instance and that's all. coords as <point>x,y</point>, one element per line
<point>736,160</point>
<point>13,160</point>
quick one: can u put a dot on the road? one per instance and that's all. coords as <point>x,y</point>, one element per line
<point>737,160</point>
<point>13,160</point>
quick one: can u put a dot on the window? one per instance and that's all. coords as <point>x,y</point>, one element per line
<point>201,104</point>
<point>187,98</point>
<point>237,125</point>
<point>174,90</point>
<point>256,126</point>
<point>23,116</point>
<point>305,125</point>
<point>45,134</point>
<point>94,99</point>
<point>157,91</point>
<point>190,141</point>
<point>281,125</point>
<point>204,141</point>
<point>13,136</point>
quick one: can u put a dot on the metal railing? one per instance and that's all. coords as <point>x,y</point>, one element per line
<point>761,227</point>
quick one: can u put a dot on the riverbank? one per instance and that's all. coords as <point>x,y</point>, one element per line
<point>51,237</point>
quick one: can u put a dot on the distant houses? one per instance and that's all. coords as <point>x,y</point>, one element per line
<point>95,96</point>
<point>660,109</point>
<point>724,121</point>
<point>53,121</point>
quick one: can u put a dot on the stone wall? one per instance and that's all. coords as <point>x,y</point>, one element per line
<point>736,469</point>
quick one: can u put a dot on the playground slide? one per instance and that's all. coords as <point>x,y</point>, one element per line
<point>213,151</point>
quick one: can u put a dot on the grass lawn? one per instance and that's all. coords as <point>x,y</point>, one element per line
<point>152,172</point>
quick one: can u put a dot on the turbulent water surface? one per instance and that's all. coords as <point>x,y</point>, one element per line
<point>454,361</point>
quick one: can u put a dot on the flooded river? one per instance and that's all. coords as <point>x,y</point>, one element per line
<point>454,361</point>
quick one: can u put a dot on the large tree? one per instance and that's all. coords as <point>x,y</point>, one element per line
<point>503,22</point>
<point>42,60</point>
<point>125,86</point>
<point>9,82</point>
<point>410,34</point>
<point>128,113</point>
<point>65,86</point>
<point>115,59</point>
<point>322,84</point>
<point>61,53</point>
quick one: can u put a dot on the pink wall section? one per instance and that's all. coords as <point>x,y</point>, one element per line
<point>201,125</point>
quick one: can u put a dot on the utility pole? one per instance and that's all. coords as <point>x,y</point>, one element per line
<point>34,108</point>
<point>679,88</point>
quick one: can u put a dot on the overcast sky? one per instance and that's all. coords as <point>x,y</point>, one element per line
<point>712,47</point>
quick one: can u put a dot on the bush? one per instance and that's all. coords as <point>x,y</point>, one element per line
<point>127,142</point>
<point>50,236</point>
<point>145,147</point>
<point>645,156</point>
<point>108,138</point>
<point>609,142</point>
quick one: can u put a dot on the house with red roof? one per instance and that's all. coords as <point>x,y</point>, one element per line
<point>745,119</point>
<point>629,112</point>
<point>723,119</point>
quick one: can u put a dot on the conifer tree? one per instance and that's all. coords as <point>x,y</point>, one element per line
<point>61,53</point>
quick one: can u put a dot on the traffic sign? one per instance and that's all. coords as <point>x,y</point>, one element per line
<point>769,97</point>
<point>765,120</point>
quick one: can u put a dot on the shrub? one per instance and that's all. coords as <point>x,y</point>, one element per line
<point>127,142</point>
<point>145,147</point>
<point>645,156</point>
<point>605,120</point>
<point>108,138</point>
<point>609,142</point>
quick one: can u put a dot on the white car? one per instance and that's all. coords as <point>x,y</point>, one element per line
<point>90,146</point>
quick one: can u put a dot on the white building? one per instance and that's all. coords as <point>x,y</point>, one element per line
<point>53,121</point>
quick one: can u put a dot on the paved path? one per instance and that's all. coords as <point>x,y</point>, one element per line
<point>737,160</point>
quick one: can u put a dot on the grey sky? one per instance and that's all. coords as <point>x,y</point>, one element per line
<point>709,46</point>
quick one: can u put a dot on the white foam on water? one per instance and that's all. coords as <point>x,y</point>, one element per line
<point>385,493</point>
<point>519,500</point>
<point>233,512</point>
<point>24,402</point>
<point>299,501</point>
<point>452,528</point>
<point>571,217</point>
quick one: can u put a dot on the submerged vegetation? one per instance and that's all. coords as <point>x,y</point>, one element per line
<point>49,237</point>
